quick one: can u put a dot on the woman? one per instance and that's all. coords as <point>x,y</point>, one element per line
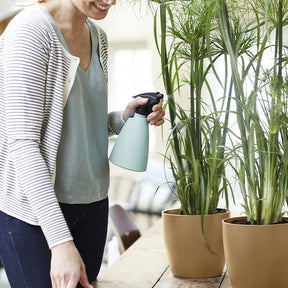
<point>54,172</point>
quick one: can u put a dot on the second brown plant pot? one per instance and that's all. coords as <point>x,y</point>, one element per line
<point>256,255</point>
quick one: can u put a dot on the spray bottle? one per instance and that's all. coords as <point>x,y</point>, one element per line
<point>131,148</point>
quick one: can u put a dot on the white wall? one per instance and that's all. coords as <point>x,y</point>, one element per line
<point>5,9</point>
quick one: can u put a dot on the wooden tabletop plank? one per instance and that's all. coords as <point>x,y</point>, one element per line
<point>169,281</point>
<point>140,266</point>
<point>145,265</point>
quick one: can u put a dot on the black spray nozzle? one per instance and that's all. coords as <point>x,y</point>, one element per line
<point>154,98</point>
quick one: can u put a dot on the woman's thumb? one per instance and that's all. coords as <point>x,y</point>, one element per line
<point>84,281</point>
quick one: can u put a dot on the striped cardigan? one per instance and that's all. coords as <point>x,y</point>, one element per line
<point>36,75</point>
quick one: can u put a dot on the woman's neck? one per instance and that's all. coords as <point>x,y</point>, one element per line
<point>67,16</point>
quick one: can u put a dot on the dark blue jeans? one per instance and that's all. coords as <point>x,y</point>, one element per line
<point>26,256</point>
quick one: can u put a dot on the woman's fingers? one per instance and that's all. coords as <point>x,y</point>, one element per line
<point>131,107</point>
<point>67,267</point>
<point>83,277</point>
<point>156,117</point>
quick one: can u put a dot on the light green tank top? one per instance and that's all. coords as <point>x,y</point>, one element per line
<point>82,170</point>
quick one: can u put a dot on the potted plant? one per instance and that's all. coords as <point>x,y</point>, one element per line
<point>186,39</point>
<point>255,246</point>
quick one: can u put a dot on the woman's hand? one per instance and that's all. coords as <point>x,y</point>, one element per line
<point>154,118</point>
<point>67,267</point>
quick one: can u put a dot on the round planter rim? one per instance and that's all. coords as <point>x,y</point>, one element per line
<point>230,219</point>
<point>166,212</point>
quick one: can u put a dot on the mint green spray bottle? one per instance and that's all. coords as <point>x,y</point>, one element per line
<point>131,148</point>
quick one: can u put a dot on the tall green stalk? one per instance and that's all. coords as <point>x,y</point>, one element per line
<point>195,148</point>
<point>167,77</point>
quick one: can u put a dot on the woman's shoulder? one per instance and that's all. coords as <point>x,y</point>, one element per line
<point>31,22</point>
<point>30,14</point>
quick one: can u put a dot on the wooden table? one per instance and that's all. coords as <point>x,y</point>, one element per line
<point>145,265</point>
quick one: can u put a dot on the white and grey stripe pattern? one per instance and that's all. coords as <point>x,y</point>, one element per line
<point>103,50</point>
<point>34,71</point>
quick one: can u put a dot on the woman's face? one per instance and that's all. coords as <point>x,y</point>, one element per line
<point>95,9</point>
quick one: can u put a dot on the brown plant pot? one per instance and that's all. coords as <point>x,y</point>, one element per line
<point>256,255</point>
<point>188,254</point>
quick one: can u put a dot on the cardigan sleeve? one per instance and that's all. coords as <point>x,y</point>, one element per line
<point>115,122</point>
<point>25,54</point>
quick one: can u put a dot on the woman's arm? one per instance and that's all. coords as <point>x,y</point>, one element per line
<point>25,59</point>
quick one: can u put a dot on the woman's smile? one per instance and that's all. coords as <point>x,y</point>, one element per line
<point>102,7</point>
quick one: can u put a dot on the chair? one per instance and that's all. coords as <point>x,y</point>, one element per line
<point>123,227</point>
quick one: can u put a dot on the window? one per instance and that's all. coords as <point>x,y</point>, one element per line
<point>129,73</point>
